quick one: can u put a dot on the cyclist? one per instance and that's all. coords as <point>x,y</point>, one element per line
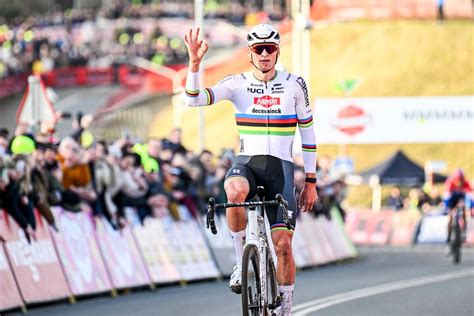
<point>269,105</point>
<point>457,190</point>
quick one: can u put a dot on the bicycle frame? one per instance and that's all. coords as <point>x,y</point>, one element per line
<point>257,235</point>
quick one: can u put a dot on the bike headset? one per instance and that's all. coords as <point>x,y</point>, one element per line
<point>263,34</point>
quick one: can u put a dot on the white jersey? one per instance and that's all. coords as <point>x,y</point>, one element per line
<point>266,114</point>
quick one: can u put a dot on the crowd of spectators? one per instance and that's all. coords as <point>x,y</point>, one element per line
<point>104,179</point>
<point>102,37</point>
<point>113,179</point>
<point>415,199</point>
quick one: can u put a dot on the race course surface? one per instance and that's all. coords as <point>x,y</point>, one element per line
<point>383,281</point>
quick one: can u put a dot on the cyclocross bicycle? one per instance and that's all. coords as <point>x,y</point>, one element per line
<point>260,294</point>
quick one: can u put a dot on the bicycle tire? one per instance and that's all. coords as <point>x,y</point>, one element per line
<point>251,291</point>
<point>456,248</point>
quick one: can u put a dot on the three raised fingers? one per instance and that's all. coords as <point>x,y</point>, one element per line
<point>190,39</point>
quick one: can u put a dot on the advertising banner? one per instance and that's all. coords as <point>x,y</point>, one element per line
<point>182,254</point>
<point>357,226</point>
<point>319,252</point>
<point>433,229</point>
<point>121,255</point>
<point>80,255</point>
<point>380,226</point>
<point>156,250</point>
<point>194,259</point>
<point>312,255</point>
<point>334,238</point>
<point>9,293</point>
<point>470,231</point>
<point>300,246</point>
<point>395,120</point>
<point>320,234</point>
<point>221,245</point>
<point>338,221</point>
<point>35,265</point>
<point>404,225</point>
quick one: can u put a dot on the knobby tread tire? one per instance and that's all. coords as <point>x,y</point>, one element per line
<point>250,257</point>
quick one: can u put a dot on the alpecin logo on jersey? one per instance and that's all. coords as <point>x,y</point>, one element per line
<point>266,101</point>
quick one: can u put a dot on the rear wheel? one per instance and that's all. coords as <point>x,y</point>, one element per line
<point>456,243</point>
<point>251,291</point>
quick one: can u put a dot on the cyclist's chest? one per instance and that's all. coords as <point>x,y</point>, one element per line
<point>260,98</point>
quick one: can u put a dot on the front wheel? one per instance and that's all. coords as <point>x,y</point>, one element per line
<point>251,291</point>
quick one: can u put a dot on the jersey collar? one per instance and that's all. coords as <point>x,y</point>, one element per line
<point>273,78</point>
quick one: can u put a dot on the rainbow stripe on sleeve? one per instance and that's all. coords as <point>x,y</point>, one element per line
<point>306,122</point>
<point>192,93</point>
<point>210,96</point>
<point>309,147</point>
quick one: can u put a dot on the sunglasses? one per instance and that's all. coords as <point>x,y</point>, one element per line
<point>269,48</point>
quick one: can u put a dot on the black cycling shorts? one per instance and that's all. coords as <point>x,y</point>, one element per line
<point>276,176</point>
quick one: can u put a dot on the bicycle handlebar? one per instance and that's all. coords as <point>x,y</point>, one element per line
<point>212,206</point>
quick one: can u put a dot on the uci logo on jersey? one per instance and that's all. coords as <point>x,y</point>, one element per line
<point>255,90</point>
<point>266,101</point>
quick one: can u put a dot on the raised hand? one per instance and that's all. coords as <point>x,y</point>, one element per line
<point>197,47</point>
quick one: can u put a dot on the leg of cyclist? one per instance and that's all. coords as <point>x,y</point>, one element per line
<point>286,268</point>
<point>237,189</point>
<point>239,184</point>
<point>282,236</point>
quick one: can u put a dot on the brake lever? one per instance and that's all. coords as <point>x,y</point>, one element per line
<point>284,205</point>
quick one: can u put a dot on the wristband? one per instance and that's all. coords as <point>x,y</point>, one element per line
<point>310,180</point>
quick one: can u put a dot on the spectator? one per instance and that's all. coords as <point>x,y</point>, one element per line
<point>41,185</point>
<point>129,188</point>
<point>395,199</point>
<point>20,196</point>
<point>174,141</point>
<point>3,141</point>
<point>75,175</point>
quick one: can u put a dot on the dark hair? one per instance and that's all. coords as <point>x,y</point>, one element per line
<point>4,132</point>
<point>135,156</point>
<point>103,143</point>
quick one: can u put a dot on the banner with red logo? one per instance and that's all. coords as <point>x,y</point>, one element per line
<point>157,251</point>
<point>80,255</point>
<point>35,265</point>
<point>121,255</point>
<point>404,225</point>
<point>394,120</point>
<point>9,293</point>
<point>380,228</point>
<point>368,228</point>
<point>357,226</point>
